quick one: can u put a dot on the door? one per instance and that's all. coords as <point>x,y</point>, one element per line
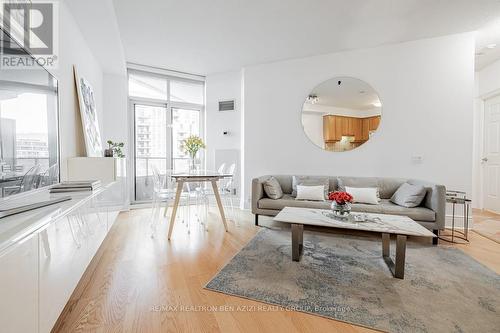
<point>152,146</point>
<point>491,156</point>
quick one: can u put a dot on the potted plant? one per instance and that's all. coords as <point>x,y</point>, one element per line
<point>341,203</point>
<point>191,145</point>
<point>114,149</point>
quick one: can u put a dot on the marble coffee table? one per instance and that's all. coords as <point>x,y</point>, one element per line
<point>401,226</point>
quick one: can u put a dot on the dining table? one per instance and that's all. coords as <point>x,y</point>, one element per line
<point>198,176</point>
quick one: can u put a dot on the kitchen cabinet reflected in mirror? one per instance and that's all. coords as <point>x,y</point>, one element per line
<point>341,114</point>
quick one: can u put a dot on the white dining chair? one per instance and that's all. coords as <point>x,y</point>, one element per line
<point>164,190</point>
<point>227,188</point>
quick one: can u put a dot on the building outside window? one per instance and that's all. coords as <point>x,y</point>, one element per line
<point>165,110</point>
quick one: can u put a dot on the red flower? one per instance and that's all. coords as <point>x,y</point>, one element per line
<point>340,197</point>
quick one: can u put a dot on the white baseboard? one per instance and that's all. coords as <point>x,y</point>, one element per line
<point>459,221</point>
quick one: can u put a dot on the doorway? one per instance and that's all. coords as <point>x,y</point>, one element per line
<point>491,155</point>
<point>152,146</point>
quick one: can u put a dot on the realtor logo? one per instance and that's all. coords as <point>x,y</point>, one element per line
<point>32,27</point>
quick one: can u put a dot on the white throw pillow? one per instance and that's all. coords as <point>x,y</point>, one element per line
<point>315,193</point>
<point>367,195</point>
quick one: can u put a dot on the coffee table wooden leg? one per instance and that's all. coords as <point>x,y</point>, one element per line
<point>399,270</point>
<point>386,245</point>
<point>297,241</point>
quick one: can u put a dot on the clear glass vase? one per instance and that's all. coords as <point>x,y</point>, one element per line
<point>341,210</point>
<point>192,163</point>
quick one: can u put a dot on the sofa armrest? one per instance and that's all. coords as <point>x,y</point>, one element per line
<point>435,199</point>
<point>257,191</point>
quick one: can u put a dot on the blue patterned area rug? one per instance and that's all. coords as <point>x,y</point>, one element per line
<point>344,277</point>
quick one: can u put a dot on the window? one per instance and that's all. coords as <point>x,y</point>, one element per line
<point>165,111</point>
<point>147,87</point>
<point>186,92</point>
<point>184,124</point>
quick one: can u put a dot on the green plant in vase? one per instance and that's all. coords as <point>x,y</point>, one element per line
<point>116,148</point>
<point>191,145</point>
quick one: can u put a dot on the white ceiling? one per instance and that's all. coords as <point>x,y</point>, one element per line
<point>487,37</point>
<point>202,37</point>
<point>351,93</point>
<point>101,32</point>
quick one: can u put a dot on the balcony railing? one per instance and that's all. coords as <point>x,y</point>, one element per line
<point>143,173</point>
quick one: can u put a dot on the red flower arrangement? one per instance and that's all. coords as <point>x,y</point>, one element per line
<point>340,198</point>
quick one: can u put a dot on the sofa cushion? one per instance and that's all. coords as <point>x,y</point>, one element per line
<point>366,208</point>
<point>273,188</point>
<point>313,193</point>
<point>409,195</point>
<point>415,213</point>
<point>289,201</point>
<point>386,186</point>
<point>368,195</point>
<point>311,181</point>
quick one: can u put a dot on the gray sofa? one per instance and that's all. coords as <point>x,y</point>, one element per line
<point>430,214</point>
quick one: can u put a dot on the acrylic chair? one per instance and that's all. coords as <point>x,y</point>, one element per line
<point>28,182</point>
<point>221,168</point>
<point>163,191</point>
<point>50,176</point>
<point>197,194</point>
<point>228,187</point>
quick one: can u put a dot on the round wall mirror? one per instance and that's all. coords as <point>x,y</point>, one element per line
<point>341,114</point>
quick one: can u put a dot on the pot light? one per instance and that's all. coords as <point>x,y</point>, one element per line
<point>313,99</point>
<point>491,46</point>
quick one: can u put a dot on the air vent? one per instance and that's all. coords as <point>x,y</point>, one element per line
<point>226,105</point>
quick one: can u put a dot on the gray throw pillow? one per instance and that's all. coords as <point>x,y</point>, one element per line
<point>310,181</point>
<point>409,195</point>
<point>273,188</point>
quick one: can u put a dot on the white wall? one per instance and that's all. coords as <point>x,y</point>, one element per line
<point>115,117</point>
<point>73,50</point>
<point>222,86</point>
<point>427,91</point>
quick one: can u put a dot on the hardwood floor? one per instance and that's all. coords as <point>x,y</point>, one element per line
<point>140,284</point>
<point>487,224</point>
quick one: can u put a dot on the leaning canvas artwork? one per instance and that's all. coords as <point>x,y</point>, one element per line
<point>88,112</point>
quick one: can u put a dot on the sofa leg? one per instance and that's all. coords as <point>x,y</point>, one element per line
<point>256,219</point>
<point>435,239</point>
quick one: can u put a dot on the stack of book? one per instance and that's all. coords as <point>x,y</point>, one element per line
<point>76,186</point>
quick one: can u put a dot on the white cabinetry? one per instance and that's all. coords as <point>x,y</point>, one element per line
<point>63,259</point>
<point>39,273</point>
<point>19,287</point>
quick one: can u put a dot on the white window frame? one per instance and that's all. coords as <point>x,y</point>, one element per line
<point>132,100</point>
